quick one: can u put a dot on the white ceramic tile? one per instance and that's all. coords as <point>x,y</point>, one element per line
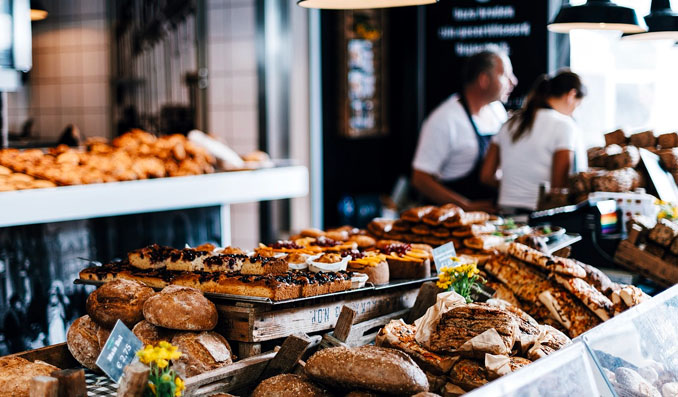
<point>49,66</point>
<point>243,22</point>
<point>94,33</point>
<point>220,91</point>
<point>96,94</point>
<point>244,123</point>
<point>71,95</point>
<point>220,124</point>
<point>217,23</point>
<point>245,89</point>
<point>48,95</point>
<point>70,34</point>
<point>95,63</point>
<point>94,125</point>
<point>70,64</point>
<point>93,7</point>
<point>243,55</point>
<point>219,57</point>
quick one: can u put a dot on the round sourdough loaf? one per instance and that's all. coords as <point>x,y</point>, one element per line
<point>118,299</point>
<point>201,352</point>
<point>82,340</point>
<point>181,308</point>
<point>289,385</point>
<point>367,367</point>
<point>149,334</point>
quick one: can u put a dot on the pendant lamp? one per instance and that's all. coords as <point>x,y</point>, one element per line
<point>597,15</point>
<point>662,23</point>
<point>360,4</point>
<point>38,11</point>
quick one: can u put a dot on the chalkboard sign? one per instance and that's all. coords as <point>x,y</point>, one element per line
<point>119,351</point>
<point>458,28</point>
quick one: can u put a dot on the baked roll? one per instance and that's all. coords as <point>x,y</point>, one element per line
<point>200,352</point>
<point>181,308</point>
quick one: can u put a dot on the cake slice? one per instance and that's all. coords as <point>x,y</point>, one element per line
<point>151,257</point>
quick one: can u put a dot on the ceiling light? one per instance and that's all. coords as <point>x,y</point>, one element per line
<point>597,15</point>
<point>662,23</point>
<point>38,11</point>
<point>361,4</point>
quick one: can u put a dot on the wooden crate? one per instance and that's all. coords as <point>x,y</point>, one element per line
<point>650,266</point>
<point>254,322</point>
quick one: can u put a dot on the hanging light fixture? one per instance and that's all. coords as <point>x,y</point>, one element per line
<point>361,4</point>
<point>597,15</point>
<point>38,11</point>
<point>662,23</point>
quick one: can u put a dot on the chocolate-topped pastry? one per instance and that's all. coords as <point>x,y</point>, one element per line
<point>151,257</point>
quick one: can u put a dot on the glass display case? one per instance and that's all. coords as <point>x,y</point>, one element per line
<point>632,354</point>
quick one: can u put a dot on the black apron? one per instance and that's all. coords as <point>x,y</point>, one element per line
<point>469,185</point>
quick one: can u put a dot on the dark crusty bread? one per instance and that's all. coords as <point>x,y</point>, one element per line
<point>149,334</point>
<point>201,352</point>
<point>289,385</point>
<point>119,299</point>
<point>367,367</point>
<point>82,340</point>
<point>16,374</point>
<point>181,308</point>
<point>617,137</point>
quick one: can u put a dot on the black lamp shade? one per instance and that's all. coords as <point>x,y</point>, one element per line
<point>597,15</point>
<point>360,4</point>
<point>662,23</point>
<point>38,11</point>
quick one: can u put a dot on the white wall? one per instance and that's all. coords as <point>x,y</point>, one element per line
<point>69,82</point>
<point>232,95</point>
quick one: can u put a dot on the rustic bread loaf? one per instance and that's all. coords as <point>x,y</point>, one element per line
<point>16,373</point>
<point>664,232</point>
<point>119,299</point>
<point>201,352</point>
<point>643,139</point>
<point>82,340</point>
<point>367,367</point>
<point>667,141</point>
<point>181,308</point>
<point>289,385</point>
<point>149,334</point>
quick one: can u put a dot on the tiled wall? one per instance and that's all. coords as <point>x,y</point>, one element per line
<point>69,82</point>
<point>232,94</point>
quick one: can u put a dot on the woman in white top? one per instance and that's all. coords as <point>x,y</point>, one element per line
<point>539,143</point>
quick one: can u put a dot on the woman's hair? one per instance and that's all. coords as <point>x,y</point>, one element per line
<point>543,89</point>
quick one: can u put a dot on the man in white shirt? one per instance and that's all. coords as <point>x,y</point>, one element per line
<point>455,136</point>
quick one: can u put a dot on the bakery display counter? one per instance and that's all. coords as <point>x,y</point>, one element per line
<point>632,354</point>
<point>132,197</point>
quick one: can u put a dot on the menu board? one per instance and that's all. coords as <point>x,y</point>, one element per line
<point>458,28</point>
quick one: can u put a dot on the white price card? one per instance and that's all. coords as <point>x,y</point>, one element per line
<point>442,256</point>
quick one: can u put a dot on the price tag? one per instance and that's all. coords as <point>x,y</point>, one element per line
<point>442,256</point>
<point>119,351</point>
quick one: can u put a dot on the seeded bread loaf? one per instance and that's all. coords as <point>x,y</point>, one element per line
<point>289,385</point>
<point>201,352</point>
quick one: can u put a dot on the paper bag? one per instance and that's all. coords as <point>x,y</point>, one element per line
<point>497,365</point>
<point>426,325</point>
<point>488,342</point>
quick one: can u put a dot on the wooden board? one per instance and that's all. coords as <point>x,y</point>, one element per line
<point>232,377</point>
<point>650,266</point>
<point>57,355</point>
<point>257,323</point>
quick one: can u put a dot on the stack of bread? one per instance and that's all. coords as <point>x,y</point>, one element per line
<point>289,269</point>
<point>179,315</point>
<point>564,293</point>
<point>134,155</point>
<point>658,238</point>
<point>473,233</point>
<point>17,181</point>
<point>466,346</point>
<point>342,371</point>
<point>16,374</point>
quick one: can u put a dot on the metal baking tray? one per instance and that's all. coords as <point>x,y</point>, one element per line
<point>267,301</point>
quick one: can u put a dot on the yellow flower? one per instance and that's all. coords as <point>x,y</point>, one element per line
<point>180,386</point>
<point>162,363</point>
<point>166,378</point>
<point>152,387</point>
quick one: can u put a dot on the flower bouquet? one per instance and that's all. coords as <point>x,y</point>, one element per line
<point>162,381</point>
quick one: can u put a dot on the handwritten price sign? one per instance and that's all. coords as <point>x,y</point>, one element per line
<point>119,351</point>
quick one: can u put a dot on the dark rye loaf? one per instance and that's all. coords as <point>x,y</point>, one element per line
<point>368,367</point>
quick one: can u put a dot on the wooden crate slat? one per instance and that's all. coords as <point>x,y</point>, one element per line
<point>316,317</point>
<point>57,355</point>
<point>635,259</point>
<point>228,378</point>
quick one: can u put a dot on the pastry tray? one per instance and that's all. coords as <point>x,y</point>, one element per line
<point>267,301</point>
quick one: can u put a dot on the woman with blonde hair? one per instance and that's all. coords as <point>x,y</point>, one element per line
<point>539,143</point>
